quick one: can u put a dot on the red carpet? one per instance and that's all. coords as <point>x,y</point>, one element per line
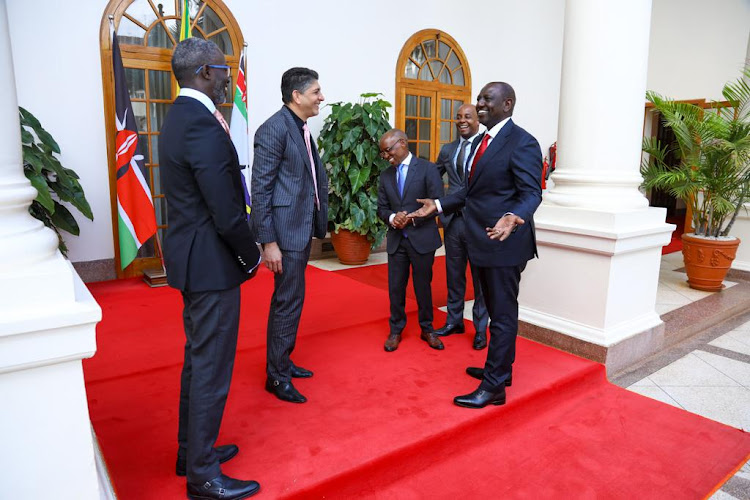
<point>675,245</point>
<point>382,425</point>
<point>377,275</point>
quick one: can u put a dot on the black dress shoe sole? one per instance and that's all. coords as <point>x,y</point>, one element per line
<point>246,495</point>
<point>477,407</point>
<point>280,398</point>
<point>479,347</point>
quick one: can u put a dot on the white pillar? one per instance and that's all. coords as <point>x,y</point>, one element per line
<point>599,242</point>
<point>47,325</point>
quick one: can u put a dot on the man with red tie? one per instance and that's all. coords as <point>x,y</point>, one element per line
<point>499,200</point>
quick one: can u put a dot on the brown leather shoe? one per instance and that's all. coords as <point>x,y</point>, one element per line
<point>391,343</point>
<point>432,340</point>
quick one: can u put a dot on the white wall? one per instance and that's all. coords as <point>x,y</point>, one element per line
<point>697,46</point>
<point>354,47</point>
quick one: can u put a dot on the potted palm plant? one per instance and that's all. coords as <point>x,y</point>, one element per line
<point>712,175</point>
<point>349,147</point>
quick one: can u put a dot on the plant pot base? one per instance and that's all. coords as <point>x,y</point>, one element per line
<point>707,261</point>
<point>352,249</point>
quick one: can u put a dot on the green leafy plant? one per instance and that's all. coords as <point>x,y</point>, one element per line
<point>712,148</point>
<point>53,182</point>
<point>349,145</point>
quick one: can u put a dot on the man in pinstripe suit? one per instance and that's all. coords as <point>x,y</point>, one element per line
<point>290,206</point>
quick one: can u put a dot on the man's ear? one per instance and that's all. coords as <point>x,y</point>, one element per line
<point>295,96</point>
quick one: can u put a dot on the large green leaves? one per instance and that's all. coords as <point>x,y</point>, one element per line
<point>53,182</point>
<point>349,147</point>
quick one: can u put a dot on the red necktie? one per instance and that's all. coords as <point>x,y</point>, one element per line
<point>480,152</point>
<point>221,120</point>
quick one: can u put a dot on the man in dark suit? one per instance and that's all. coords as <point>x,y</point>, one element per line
<point>499,200</point>
<point>411,243</point>
<point>208,252</point>
<point>452,162</point>
<point>290,206</point>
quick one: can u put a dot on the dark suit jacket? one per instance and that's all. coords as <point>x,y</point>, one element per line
<point>445,166</point>
<point>282,187</point>
<point>422,181</point>
<point>208,245</point>
<point>507,179</point>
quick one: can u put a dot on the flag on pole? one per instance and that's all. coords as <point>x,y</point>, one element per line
<point>136,221</point>
<point>238,128</point>
<point>185,24</point>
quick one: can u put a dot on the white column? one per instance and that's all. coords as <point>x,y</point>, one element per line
<point>47,325</point>
<point>599,242</point>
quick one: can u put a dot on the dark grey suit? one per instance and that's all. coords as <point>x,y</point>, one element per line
<point>284,211</point>
<point>456,249</point>
<point>414,245</point>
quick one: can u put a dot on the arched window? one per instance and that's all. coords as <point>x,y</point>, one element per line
<point>432,81</point>
<point>148,31</point>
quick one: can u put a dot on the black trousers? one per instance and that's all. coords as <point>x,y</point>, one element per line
<point>285,313</point>
<point>500,287</point>
<point>456,258</point>
<point>399,263</point>
<point>211,321</point>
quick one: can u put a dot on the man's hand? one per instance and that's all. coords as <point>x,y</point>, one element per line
<point>428,208</point>
<point>504,227</point>
<point>272,257</point>
<point>400,220</point>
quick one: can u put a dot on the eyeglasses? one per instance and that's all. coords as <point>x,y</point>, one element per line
<point>387,151</point>
<point>216,66</point>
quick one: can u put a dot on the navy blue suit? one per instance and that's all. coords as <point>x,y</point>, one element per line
<point>507,178</point>
<point>414,245</point>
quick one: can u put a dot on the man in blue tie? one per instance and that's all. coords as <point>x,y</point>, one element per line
<point>411,243</point>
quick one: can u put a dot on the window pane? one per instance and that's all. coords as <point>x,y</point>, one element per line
<point>411,105</point>
<point>436,67</point>
<point>424,73</point>
<point>129,33</point>
<point>136,83</point>
<point>173,26</point>
<point>209,21</point>
<point>458,77</point>
<point>452,61</point>
<point>424,150</point>
<point>425,103</point>
<point>429,48</point>
<point>418,56</point>
<point>443,50</point>
<point>445,109</point>
<point>139,110</point>
<point>445,76</point>
<point>226,111</point>
<point>156,188</point>
<point>224,42</point>
<point>424,130</point>
<point>198,34</point>
<point>456,104</point>
<point>413,148</point>
<point>143,147</point>
<point>157,37</point>
<point>158,113</point>
<point>159,85</point>
<point>411,69</point>
<point>160,207</point>
<point>141,11</point>
<point>155,149</point>
<point>411,129</point>
<point>445,131</point>
<point>166,8</point>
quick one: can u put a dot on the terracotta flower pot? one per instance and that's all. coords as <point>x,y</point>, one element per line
<point>352,249</point>
<point>707,261</point>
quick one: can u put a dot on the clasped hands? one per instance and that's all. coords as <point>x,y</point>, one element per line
<point>503,228</point>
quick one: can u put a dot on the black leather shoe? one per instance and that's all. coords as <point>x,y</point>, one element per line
<point>225,453</point>
<point>299,372</point>
<point>222,488</point>
<point>478,373</point>
<point>449,329</point>
<point>481,398</point>
<point>285,391</point>
<point>480,341</point>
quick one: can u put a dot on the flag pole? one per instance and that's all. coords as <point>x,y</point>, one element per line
<point>247,122</point>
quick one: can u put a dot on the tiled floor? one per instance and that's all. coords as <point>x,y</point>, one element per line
<point>712,381</point>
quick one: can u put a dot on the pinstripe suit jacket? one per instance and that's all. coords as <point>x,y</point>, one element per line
<point>282,187</point>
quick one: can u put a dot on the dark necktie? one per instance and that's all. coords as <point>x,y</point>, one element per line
<point>461,160</point>
<point>480,152</point>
